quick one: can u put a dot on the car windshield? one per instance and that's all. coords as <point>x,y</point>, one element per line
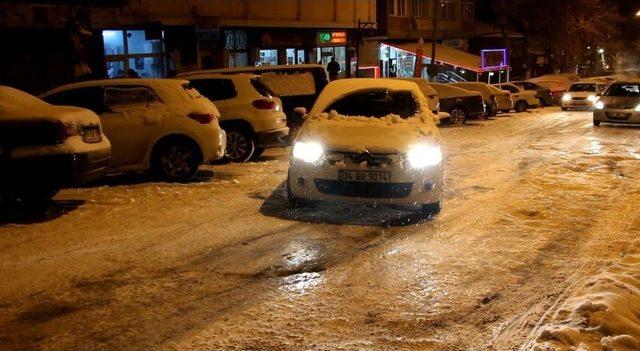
<point>261,88</point>
<point>583,87</point>
<point>376,103</point>
<point>624,90</point>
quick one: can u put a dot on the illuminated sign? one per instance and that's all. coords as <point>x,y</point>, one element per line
<point>494,58</point>
<point>332,38</point>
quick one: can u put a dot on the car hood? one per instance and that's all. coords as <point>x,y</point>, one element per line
<point>390,134</point>
<point>620,101</point>
<point>65,114</point>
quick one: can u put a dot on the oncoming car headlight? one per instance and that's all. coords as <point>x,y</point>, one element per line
<point>599,105</point>
<point>421,156</point>
<point>637,109</point>
<point>566,97</point>
<point>592,98</point>
<point>309,152</point>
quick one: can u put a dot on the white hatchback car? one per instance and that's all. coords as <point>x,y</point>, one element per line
<point>250,112</point>
<point>522,99</point>
<point>162,125</point>
<point>368,140</point>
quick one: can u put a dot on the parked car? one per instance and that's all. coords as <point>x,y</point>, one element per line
<point>296,85</point>
<point>581,95</point>
<point>544,94</point>
<point>162,125</point>
<point>350,148</point>
<point>250,113</point>
<point>461,104</point>
<point>522,99</point>
<point>44,147</point>
<point>557,86</point>
<point>619,104</point>
<point>495,99</point>
<point>428,92</point>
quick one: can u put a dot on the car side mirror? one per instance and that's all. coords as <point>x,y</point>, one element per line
<point>300,112</point>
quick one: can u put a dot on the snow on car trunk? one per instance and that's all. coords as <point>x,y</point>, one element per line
<point>602,316</point>
<point>388,134</point>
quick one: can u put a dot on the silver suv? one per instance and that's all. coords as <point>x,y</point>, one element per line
<point>619,104</point>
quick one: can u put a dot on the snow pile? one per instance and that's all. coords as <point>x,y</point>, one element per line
<point>605,316</point>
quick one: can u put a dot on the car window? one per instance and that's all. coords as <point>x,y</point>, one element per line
<point>129,96</point>
<point>376,103</point>
<point>215,89</point>
<point>625,90</point>
<point>88,97</point>
<point>261,88</point>
<point>510,88</point>
<point>583,87</point>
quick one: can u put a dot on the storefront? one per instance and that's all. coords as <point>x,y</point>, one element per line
<point>130,50</point>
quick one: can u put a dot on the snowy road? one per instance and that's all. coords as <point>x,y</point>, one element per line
<point>535,205</point>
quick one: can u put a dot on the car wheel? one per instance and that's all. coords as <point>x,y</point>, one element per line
<point>564,108</point>
<point>293,200</point>
<point>458,115</point>
<point>596,123</point>
<point>176,161</point>
<point>240,145</point>
<point>258,152</point>
<point>430,210</point>
<point>491,112</point>
<point>521,106</point>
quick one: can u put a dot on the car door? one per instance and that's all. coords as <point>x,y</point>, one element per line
<point>132,120</point>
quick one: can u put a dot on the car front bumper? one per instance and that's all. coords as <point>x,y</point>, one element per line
<point>586,104</point>
<point>623,116</point>
<point>407,187</point>
<point>273,138</point>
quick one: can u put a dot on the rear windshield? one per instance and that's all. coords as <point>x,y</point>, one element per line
<point>625,90</point>
<point>583,87</point>
<point>376,103</point>
<point>290,83</point>
<point>193,93</point>
<point>261,88</point>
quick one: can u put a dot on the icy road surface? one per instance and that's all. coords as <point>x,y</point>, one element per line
<point>535,205</point>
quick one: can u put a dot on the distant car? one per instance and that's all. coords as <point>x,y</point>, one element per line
<point>581,95</point>
<point>162,125</point>
<point>495,99</point>
<point>369,141</point>
<point>544,94</point>
<point>461,104</point>
<point>557,87</point>
<point>522,99</point>
<point>250,113</point>
<point>432,96</point>
<point>295,85</point>
<point>44,147</point>
<point>619,104</point>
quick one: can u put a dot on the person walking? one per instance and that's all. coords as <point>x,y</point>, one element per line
<point>333,67</point>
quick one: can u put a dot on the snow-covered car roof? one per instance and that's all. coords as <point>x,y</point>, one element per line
<point>17,105</point>
<point>422,83</point>
<point>342,87</point>
<point>450,91</point>
<point>192,75</point>
<point>152,82</point>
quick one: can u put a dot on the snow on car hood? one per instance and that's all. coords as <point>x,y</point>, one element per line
<point>389,134</point>
<point>18,105</point>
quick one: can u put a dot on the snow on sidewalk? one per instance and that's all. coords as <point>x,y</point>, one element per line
<point>603,316</point>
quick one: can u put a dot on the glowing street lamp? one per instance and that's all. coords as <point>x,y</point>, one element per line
<point>638,13</point>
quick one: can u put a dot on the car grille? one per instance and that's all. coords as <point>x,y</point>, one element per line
<point>611,115</point>
<point>364,189</point>
<point>577,98</point>
<point>372,160</point>
<point>621,106</point>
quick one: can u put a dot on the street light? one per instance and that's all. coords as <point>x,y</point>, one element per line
<point>638,13</point>
<point>601,51</point>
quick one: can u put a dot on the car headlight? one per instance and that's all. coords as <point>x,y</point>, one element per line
<point>599,105</point>
<point>566,97</point>
<point>308,152</point>
<point>637,109</point>
<point>592,98</point>
<point>422,156</point>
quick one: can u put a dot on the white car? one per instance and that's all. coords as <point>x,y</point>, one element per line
<point>582,95</point>
<point>44,147</point>
<point>371,141</point>
<point>162,125</point>
<point>250,112</point>
<point>522,99</point>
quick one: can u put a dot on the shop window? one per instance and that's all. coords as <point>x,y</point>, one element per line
<point>115,69</point>
<point>113,42</point>
<point>421,8</point>
<point>147,67</point>
<point>447,9</point>
<point>398,7</point>
<point>268,57</point>
<point>291,56</point>
<point>301,58</point>
<point>138,44</point>
<point>238,59</point>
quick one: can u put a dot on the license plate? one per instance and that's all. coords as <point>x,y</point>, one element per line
<point>91,135</point>
<point>617,115</point>
<point>364,176</point>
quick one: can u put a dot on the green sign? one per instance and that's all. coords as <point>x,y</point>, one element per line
<point>324,37</point>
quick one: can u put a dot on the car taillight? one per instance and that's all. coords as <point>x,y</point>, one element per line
<point>66,130</point>
<point>265,104</point>
<point>203,118</point>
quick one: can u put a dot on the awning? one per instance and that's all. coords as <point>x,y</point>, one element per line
<point>448,56</point>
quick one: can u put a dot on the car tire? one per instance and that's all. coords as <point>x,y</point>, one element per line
<point>521,106</point>
<point>596,123</point>
<point>257,152</point>
<point>176,161</point>
<point>430,210</point>
<point>564,108</point>
<point>240,145</point>
<point>491,112</point>
<point>458,115</point>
